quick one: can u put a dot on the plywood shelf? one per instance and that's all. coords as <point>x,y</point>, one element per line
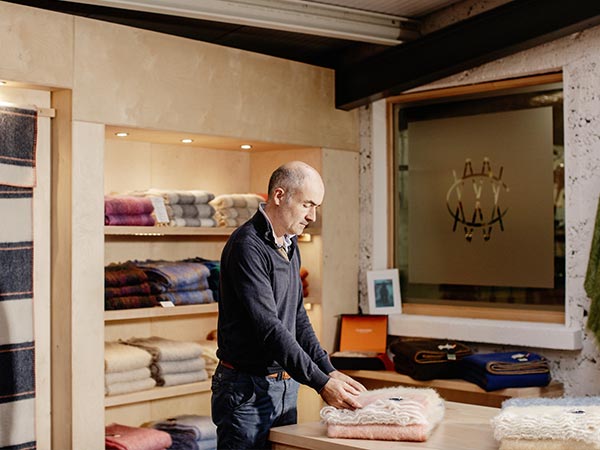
<point>158,311</point>
<point>157,393</point>
<point>166,231</point>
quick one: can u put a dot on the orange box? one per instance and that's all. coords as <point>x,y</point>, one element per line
<point>363,333</point>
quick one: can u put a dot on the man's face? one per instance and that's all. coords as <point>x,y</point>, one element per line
<point>299,208</point>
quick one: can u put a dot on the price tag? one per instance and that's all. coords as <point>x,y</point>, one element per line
<point>160,211</point>
<point>167,304</point>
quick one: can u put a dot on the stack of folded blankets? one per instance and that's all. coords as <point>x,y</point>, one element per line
<point>428,359</point>
<point>232,210</point>
<point>548,423</point>
<point>390,414</point>
<point>173,362</point>
<point>304,278</point>
<point>492,371</point>
<point>215,274</point>
<point>189,432</point>
<point>126,369</point>
<point>128,210</point>
<point>122,437</point>
<point>209,354</point>
<point>185,208</point>
<point>180,282</point>
<point>127,286</point>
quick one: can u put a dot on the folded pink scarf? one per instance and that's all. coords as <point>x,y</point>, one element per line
<point>122,437</point>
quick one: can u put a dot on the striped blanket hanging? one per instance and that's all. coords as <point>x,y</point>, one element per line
<point>18,133</point>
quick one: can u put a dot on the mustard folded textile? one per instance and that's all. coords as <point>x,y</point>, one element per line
<point>394,414</point>
<point>122,437</point>
<point>119,357</point>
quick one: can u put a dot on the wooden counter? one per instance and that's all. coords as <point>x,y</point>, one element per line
<point>454,390</point>
<point>465,427</point>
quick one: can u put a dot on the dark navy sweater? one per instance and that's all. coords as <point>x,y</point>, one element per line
<point>263,326</point>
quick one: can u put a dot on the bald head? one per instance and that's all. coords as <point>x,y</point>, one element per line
<point>291,177</point>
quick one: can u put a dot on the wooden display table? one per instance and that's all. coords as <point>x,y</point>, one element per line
<point>454,390</point>
<point>465,427</point>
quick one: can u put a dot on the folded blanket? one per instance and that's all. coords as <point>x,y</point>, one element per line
<point>200,211</point>
<point>163,349</point>
<point>574,419</point>
<point>545,444</point>
<point>175,379</point>
<point>181,366</point>
<point>236,201</point>
<point>128,205</point>
<point>119,357</point>
<point>188,297</point>
<point>126,291</point>
<point>202,426</point>
<point>127,375</point>
<point>138,220</point>
<point>193,222</point>
<point>131,301</point>
<point>214,279</point>
<point>235,213</point>
<point>122,437</point>
<point>181,197</point>
<point>231,223</point>
<point>176,275</point>
<point>129,386</point>
<point>124,274</point>
<point>428,359</point>
<point>400,413</point>
<point>492,371</point>
<point>18,146</point>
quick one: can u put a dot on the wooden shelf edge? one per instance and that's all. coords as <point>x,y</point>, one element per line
<point>166,231</point>
<point>157,394</point>
<point>159,311</point>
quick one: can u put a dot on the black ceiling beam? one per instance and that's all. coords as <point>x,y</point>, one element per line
<point>507,29</point>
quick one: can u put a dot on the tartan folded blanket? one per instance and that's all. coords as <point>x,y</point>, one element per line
<point>18,141</point>
<point>138,220</point>
<point>119,357</point>
<point>202,426</point>
<point>124,274</point>
<point>231,223</point>
<point>132,289</point>
<point>188,297</point>
<point>176,275</point>
<point>200,210</point>
<point>131,302</point>
<point>428,359</point>
<point>235,213</point>
<point>572,419</point>
<point>122,437</point>
<point>394,414</point>
<point>493,371</point>
<point>236,201</point>
<point>214,279</point>
<point>206,222</point>
<point>127,205</point>
<point>180,197</point>
<point>127,375</point>
<point>127,387</point>
<point>163,349</point>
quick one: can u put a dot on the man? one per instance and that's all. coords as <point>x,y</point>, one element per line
<point>266,342</point>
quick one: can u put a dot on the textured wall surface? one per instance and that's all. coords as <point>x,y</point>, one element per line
<point>578,56</point>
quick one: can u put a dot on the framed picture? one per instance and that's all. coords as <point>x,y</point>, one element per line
<point>384,292</point>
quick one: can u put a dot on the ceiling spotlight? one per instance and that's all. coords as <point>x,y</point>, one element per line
<point>122,134</point>
<point>245,146</point>
<point>2,83</point>
<point>187,141</point>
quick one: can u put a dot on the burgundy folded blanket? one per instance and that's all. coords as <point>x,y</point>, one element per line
<point>132,301</point>
<point>122,437</point>
<point>140,220</point>
<point>127,205</point>
<point>125,274</point>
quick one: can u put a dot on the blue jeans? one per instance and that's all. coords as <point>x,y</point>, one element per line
<point>245,407</point>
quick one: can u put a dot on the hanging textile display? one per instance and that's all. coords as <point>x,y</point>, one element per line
<point>18,132</point>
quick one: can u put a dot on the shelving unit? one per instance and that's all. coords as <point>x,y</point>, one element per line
<point>158,311</point>
<point>166,231</point>
<point>157,394</point>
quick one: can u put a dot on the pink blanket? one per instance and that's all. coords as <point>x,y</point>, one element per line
<point>122,437</point>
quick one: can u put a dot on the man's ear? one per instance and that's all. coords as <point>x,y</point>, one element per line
<point>278,195</point>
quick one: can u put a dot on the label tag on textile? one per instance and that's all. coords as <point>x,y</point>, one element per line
<point>160,211</point>
<point>167,304</point>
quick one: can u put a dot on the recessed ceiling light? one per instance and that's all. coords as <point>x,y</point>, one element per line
<point>2,83</point>
<point>246,146</point>
<point>187,141</point>
<point>122,134</point>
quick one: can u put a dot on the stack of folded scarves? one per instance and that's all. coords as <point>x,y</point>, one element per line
<point>128,210</point>
<point>391,414</point>
<point>548,423</point>
<point>180,282</point>
<point>126,369</point>
<point>189,432</point>
<point>232,210</point>
<point>122,437</point>
<point>173,362</point>
<point>492,371</point>
<point>127,286</point>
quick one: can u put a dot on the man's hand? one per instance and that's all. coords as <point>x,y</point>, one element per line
<point>341,391</point>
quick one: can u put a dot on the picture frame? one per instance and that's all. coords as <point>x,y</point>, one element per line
<point>383,288</point>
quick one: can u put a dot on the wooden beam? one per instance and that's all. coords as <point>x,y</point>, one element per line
<point>507,29</point>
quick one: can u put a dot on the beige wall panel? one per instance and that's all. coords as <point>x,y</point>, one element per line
<point>127,76</point>
<point>132,415</point>
<point>340,239</point>
<point>172,248</point>
<point>125,329</point>
<point>310,253</point>
<point>87,285</point>
<point>37,46</point>
<point>184,328</point>
<point>127,166</point>
<point>188,404</point>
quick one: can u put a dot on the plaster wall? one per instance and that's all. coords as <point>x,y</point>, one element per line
<point>578,56</point>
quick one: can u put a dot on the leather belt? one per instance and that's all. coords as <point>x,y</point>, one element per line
<point>283,375</point>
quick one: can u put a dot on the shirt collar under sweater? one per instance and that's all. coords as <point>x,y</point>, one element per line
<point>287,239</point>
